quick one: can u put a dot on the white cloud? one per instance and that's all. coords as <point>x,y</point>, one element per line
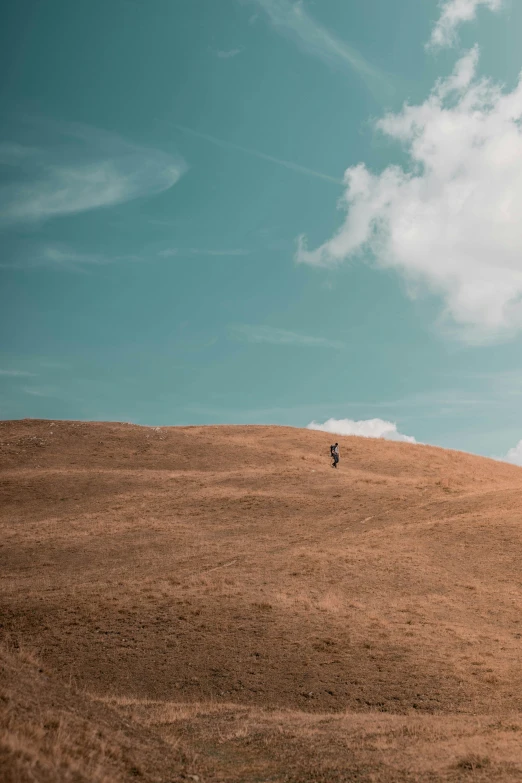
<point>12,153</point>
<point>53,255</point>
<point>17,373</point>
<point>81,169</point>
<point>287,164</point>
<point>450,221</point>
<point>453,14</point>
<point>268,334</point>
<point>291,19</point>
<point>229,53</point>
<point>53,365</point>
<point>199,251</point>
<point>29,255</point>
<point>42,391</point>
<point>369,428</point>
<point>514,455</point>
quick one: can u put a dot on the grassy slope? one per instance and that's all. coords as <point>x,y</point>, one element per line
<point>192,578</point>
<point>51,731</point>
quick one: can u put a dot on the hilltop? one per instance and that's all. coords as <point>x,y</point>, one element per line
<point>228,606</point>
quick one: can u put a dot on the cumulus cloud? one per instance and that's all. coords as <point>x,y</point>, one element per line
<point>514,455</point>
<point>79,169</point>
<point>269,334</point>
<point>449,222</point>
<point>368,428</point>
<point>453,14</point>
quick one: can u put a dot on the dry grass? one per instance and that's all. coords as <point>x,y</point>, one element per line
<point>52,732</point>
<point>225,593</point>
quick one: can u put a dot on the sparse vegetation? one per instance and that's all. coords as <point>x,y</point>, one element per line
<point>218,604</point>
<point>472,762</point>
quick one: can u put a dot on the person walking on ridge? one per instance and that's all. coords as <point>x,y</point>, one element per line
<point>334,451</point>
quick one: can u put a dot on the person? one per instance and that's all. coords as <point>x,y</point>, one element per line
<point>334,451</point>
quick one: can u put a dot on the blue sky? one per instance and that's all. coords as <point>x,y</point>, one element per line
<point>264,211</point>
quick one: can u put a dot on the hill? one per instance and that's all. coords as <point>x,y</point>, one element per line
<point>223,592</point>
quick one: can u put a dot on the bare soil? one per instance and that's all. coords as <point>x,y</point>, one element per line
<point>223,605</point>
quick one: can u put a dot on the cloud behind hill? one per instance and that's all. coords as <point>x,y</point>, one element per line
<point>514,455</point>
<point>369,428</point>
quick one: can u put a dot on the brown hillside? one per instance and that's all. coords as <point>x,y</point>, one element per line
<point>50,731</point>
<point>204,573</point>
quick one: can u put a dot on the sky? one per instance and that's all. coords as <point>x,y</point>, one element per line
<point>265,212</point>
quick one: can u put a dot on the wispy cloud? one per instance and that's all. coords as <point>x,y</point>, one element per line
<point>268,334</point>
<point>11,153</point>
<point>255,153</point>
<point>292,20</point>
<point>453,14</point>
<point>80,169</point>
<point>228,54</point>
<point>41,391</point>
<point>17,373</point>
<point>53,365</point>
<point>30,255</point>
<point>63,257</point>
<point>438,404</point>
<point>201,251</point>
